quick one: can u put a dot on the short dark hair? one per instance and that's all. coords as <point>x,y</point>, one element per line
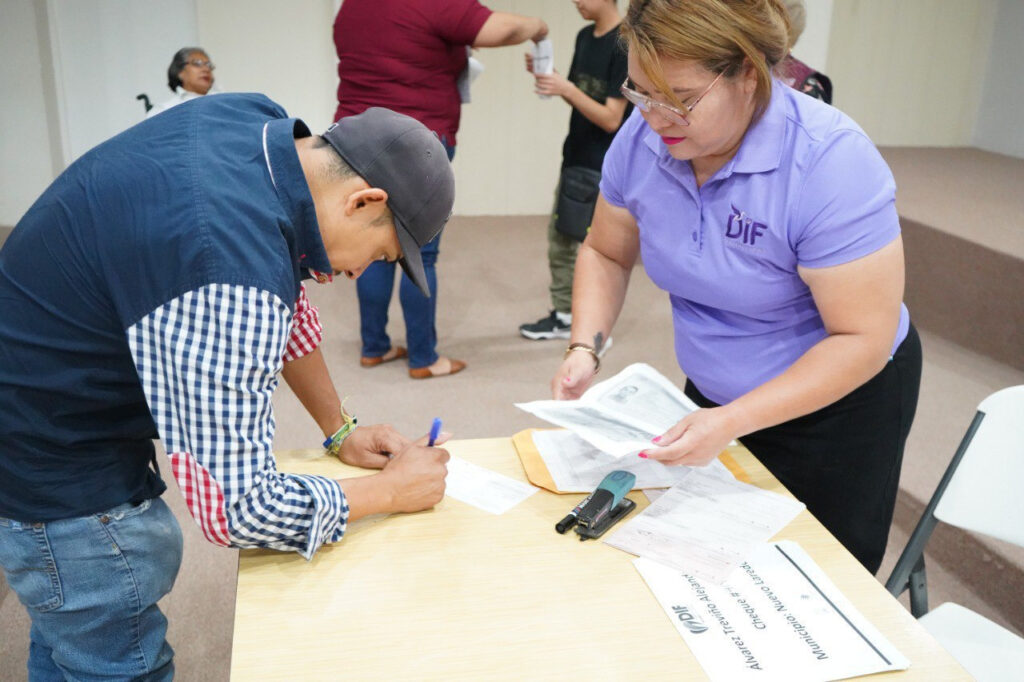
<point>338,169</point>
<point>178,63</point>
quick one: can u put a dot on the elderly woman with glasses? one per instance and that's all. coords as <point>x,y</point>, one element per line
<point>190,75</point>
<point>769,218</point>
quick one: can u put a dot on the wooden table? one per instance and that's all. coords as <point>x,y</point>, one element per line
<point>456,593</point>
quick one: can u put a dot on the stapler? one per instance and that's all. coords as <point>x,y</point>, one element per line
<point>606,506</point>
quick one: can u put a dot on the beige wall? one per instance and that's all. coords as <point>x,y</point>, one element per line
<point>510,141</point>
<point>910,72</point>
<point>282,49</point>
<point>70,72</point>
<point>812,46</point>
<point>999,126</point>
<point>26,166</point>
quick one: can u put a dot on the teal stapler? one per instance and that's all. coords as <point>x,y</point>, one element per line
<point>603,508</point>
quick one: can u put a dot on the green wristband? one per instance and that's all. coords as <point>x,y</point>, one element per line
<point>333,444</point>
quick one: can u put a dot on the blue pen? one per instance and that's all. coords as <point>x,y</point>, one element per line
<point>435,431</point>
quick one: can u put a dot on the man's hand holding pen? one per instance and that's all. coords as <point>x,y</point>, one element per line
<point>416,475</point>
<point>412,476</point>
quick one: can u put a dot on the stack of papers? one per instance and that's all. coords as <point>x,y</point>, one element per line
<point>576,466</point>
<point>707,525</point>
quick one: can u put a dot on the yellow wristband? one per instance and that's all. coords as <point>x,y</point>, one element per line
<point>333,443</point>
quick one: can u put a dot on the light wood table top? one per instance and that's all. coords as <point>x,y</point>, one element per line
<point>456,593</point>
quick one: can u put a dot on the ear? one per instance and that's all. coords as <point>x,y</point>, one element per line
<point>749,77</point>
<point>370,197</point>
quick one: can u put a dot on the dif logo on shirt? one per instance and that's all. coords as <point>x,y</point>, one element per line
<point>743,228</point>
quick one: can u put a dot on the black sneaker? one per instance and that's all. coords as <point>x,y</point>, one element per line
<point>555,326</point>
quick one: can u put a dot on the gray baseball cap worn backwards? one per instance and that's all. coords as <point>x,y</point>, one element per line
<point>401,156</point>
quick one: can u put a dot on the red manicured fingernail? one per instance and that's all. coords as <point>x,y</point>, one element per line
<point>656,439</point>
<point>643,455</point>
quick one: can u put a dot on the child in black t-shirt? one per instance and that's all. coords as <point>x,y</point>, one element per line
<point>598,109</point>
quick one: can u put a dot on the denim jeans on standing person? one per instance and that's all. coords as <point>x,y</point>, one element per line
<point>375,287</point>
<point>90,585</point>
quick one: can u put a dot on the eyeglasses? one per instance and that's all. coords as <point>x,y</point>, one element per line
<point>201,63</point>
<point>647,104</point>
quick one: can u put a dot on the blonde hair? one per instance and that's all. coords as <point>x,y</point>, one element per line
<point>718,34</point>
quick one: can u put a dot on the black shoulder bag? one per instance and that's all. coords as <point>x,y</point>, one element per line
<point>577,196</point>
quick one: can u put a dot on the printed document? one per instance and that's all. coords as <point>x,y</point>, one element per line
<point>622,414</point>
<point>576,466</point>
<point>483,488</point>
<point>707,525</point>
<point>777,618</point>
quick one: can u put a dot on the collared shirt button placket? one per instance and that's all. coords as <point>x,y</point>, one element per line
<point>697,235</point>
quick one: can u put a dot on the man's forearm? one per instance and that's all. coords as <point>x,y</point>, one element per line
<point>367,495</point>
<point>311,383</point>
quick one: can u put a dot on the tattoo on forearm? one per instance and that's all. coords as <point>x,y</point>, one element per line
<point>598,341</point>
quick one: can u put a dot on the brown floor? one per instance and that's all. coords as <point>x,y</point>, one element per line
<point>963,191</point>
<point>492,278</point>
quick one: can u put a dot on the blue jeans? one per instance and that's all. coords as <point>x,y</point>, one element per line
<point>90,585</point>
<point>375,288</point>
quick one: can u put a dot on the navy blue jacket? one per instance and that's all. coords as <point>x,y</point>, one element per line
<point>178,202</point>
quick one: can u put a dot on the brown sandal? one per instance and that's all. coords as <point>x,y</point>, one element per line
<point>454,367</point>
<point>394,353</point>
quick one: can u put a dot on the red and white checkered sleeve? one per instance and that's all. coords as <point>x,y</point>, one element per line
<point>306,332</point>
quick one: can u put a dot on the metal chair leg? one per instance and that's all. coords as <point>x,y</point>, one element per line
<point>918,589</point>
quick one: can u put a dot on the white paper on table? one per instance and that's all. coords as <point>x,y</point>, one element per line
<point>707,525</point>
<point>469,74</point>
<point>778,618</point>
<point>483,488</point>
<point>622,414</point>
<point>576,466</point>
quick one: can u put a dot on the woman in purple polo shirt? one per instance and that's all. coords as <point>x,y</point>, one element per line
<point>769,218</point>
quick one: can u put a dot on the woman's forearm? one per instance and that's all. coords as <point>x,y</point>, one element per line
<point>829,370</point>
<point>598,291</point>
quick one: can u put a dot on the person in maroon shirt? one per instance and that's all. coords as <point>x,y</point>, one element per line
<point>407,55</point>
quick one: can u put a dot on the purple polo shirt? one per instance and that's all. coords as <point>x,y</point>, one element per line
<point>806,187</point>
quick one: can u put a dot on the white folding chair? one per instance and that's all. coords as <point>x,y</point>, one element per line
<point>981,491</point>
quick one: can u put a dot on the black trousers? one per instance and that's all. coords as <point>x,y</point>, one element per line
<point>844,460</point>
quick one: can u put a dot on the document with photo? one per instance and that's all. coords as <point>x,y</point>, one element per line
<point>576,466</point>
<point>622,414</point>
<point>777,618</point>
